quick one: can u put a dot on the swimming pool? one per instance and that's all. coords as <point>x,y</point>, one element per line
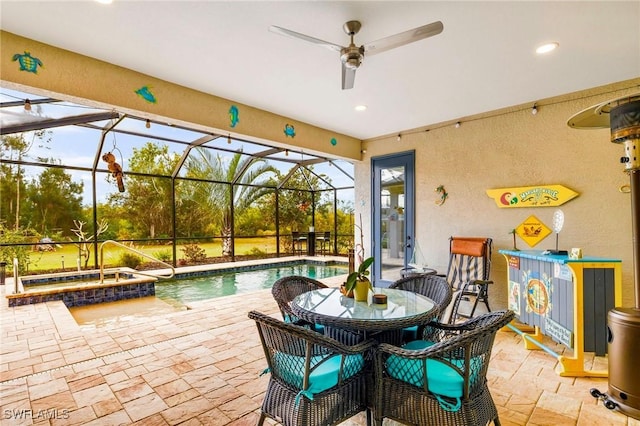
<point>192,289</point>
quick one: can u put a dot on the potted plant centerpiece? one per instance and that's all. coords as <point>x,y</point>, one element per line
<point>358,281</point>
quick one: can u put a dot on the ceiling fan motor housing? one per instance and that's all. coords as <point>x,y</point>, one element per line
<point>352,56</point>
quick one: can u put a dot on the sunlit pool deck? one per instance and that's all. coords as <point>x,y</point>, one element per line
<point>202,367</point>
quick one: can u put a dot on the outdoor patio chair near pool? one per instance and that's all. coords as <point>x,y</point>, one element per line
<point>324,239</point>
<point>468,274</point>
<point>315,380</point>
<point>441,379</point>
<point>285,289</point>
<point>434,287</point>
<point>297,242</point>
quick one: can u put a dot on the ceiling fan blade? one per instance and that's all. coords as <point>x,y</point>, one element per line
<point>289,33</point>
<point>348,77</point>
<point>403,38</point>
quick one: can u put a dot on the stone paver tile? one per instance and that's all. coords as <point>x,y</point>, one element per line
<point>181,397</point>
<point>172,388</point>
<point>187,410</point>
<point>223,395</point>
<point>48,388</point>
<point>238,407</point>
<point>116,418</point>
<point>248,419</point>
<point>135,371</point>
<point>60,401</point>
<point>80,416</point>
<point>85,382</point>
<point>93,395</point>
<point>107,406</point>
<point>78,355</point>
<point>159,377</point>
<point>155,420</point>
<point>16,373</point>
<point>144,406</point>
<point>118,386</point>
<point>559,404</point>
<point>214,417</point>
<point>182,367</point>
<point>133,392</point>
<point>16,412</point>
<point>542,417</point>
<point>509,417</point>
<point>601,416</point>
<point>117,377</point>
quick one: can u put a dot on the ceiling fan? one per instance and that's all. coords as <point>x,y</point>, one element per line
<point>352,55</point>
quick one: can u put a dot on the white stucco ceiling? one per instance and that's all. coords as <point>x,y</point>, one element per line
<point>483,60</point>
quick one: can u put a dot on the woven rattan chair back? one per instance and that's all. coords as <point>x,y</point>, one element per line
<point>292,354</point>
<point>406,394</point>
<point>285,289</point>
<point>432,286</point>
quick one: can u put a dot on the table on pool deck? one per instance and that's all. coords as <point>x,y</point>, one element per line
<point>349,321</point>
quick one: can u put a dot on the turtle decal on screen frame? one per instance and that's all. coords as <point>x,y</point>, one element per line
<point>27,62</point>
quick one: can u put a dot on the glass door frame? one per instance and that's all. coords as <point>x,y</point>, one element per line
<point>406,160</point>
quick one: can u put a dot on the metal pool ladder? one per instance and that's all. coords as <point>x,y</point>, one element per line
<point>138,252</point>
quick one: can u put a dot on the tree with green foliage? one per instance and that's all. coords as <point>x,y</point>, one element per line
<point>14,149</point>
<point>53,202</point>
<point>147,199</point>
<point>240,180</point>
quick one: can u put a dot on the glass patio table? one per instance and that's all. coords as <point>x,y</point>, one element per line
<point>349,321</point>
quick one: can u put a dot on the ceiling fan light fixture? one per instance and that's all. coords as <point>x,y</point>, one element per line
<point>547,47</point>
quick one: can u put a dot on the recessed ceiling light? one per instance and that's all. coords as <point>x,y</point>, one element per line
<point>105,1</point>
<point>547,47</point>
<point>360,107</point>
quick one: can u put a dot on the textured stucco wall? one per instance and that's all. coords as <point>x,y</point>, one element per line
<point>511,148</point>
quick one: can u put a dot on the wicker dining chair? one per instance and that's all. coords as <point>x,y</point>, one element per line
<point>285,289</point>
<point>440,380</point>
<point>432,286</point>
<point>315,380</point>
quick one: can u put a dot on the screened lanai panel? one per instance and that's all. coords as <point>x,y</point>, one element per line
<point>345,220</point>
<point>254,211</point>
<point>143,210</point>
<point>202,209</point>
<point>70,146</point>
<point>39,201</point>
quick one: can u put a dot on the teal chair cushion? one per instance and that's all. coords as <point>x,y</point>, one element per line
<point>442,379</point>
<point>323,377</point>
<point>319,328</point>
<point>410,333</point>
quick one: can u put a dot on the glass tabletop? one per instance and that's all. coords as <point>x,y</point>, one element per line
<point>329,305</point>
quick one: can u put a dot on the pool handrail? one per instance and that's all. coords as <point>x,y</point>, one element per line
<point>17,284</point>
<point>138,252</point>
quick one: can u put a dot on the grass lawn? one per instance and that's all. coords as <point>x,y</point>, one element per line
<point>67,254</point>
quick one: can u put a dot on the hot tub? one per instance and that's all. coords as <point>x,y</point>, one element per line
<point>83,287</point>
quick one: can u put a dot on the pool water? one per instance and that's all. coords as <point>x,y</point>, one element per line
<point>186,290</point>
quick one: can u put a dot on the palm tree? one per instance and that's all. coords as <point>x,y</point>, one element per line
<point>238,180</point>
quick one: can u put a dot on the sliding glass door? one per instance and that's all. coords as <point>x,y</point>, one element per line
<point>393,215</point>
